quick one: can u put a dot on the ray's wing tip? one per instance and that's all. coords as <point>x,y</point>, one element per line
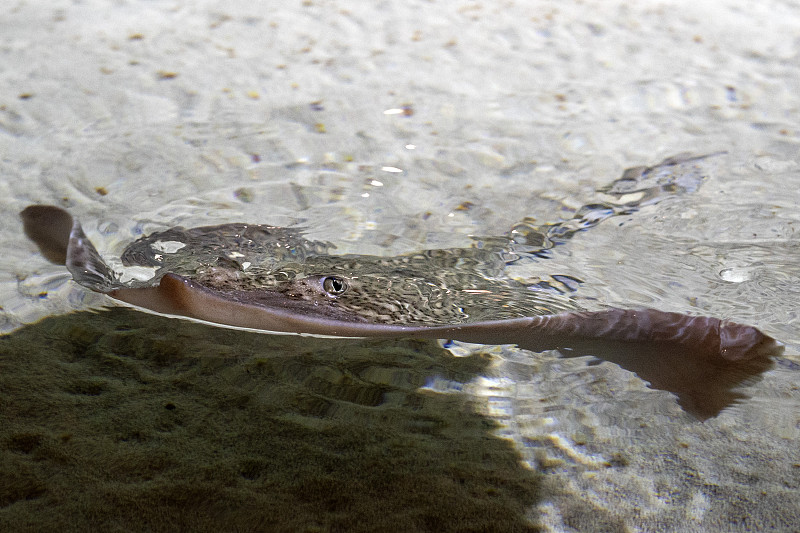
<point>49,227</point>
<point>769,348</point>
<point>35,212</point>
<point>739,342</point>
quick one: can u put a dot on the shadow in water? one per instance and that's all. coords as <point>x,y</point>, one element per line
<point>123,421</point>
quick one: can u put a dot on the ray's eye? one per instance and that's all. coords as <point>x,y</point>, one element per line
<point>334,285</point>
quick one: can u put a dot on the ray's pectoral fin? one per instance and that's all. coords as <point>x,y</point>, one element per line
<point>61,240</point>
<point>49,227</point>
<point>702,360</point>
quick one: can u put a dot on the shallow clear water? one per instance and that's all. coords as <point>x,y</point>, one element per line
<point>395,127</point>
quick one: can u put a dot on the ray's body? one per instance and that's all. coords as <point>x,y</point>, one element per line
<point>272,279</point>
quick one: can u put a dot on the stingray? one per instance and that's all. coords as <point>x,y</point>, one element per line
<point>273,279</point>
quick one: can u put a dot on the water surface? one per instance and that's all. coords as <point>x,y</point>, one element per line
<point>397,127</point>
